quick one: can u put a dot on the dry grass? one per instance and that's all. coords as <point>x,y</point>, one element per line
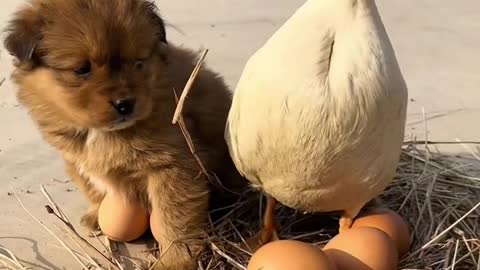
<point>438,195</point>
<point>9,261</point>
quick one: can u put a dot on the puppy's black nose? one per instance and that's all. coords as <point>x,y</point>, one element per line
<point>124,107</point>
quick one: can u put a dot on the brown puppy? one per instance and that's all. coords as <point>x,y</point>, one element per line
<point>98,78</point>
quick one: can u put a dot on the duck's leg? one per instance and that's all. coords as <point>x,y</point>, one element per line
<point>345,223</point>
<point>346,220</point>
<point>269,231</point>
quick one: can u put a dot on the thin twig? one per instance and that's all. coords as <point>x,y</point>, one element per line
<point>113,251</point>
<point>455,255</point>
<point>101,243</point>
<point>478,261</point>
<point>228,258</point>
<point>177,117</point>
<point>188,86</point>
<point>12,259</point>
<point>67,223</point>
<point>87,256</point>
<point>191,146</point>
<point>438,142</point>
<point>188,139</point>
<point>57,208</point>
<point>48,230</point>
<point>162,253</point>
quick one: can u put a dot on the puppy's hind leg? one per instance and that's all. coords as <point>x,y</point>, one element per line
<point>90,218</point>
<point>179,216</point>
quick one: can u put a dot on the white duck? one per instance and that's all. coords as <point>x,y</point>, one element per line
<point>318,116</point>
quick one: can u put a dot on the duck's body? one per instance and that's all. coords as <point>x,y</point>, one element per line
<point>318,116</point>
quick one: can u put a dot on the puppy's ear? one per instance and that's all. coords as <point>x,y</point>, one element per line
<point>157,21</point>
<point>23,34</point>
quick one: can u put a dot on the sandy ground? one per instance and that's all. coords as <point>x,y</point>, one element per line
<point>437,45</point>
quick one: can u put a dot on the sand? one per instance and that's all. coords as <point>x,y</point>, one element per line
<point>437,46</point>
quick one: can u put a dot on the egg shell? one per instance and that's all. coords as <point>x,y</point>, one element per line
<point>363,249</point>
<point>155,226</point>
<point>122,220</point>
<point>389,222</point>
<point>289,255</point>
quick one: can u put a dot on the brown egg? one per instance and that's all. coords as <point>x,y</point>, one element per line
<point>122,220</point>
<point>363,249</point>
<point>289,255</point>
<point>155,225</point>
<point>389,222</point>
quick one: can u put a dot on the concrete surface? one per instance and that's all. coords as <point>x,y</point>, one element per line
<point>437,44</point>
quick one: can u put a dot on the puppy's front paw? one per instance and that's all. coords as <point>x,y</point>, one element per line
<point>90,219</point>
<point>179,257</point>
<point>191,265</point>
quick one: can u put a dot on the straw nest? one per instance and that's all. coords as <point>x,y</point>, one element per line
<point>437,194</point>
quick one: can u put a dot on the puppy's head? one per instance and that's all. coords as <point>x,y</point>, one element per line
<point>92,63</point>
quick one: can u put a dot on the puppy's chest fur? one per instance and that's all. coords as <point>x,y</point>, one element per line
<point>89,163</point>
<point>98,167</point>
<point>114,163</point>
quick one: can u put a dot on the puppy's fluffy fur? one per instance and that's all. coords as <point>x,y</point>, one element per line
<point>74,60</point>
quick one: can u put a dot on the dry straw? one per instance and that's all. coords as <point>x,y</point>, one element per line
<point>437,194</point>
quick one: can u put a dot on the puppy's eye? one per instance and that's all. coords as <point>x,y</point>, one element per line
<point>139,64</point>
<point>84,70</point>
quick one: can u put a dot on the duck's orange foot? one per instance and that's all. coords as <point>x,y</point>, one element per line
<point>265,236</point>
<point>345,224</point>
<point>269,230</point>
